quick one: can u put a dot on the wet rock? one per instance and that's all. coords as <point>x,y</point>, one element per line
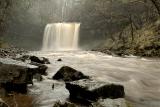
<point>15,87</point>
<point>3,104</point>
<point>40,60</point>
<point>69,74</point>
<point>34,59</point>
<point>53,87</point>
<point>38,77</point>
<point>88,91</point>
<point>41,68</point>
<point>59,60</point>
<point>110,103</point>
<point>14,78</point>
<point>100,103</point>
<point>64,104</point>
<point>11,52</point>
<point>23,58</point>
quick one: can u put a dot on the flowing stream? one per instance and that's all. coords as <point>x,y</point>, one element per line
<point>140,77</point>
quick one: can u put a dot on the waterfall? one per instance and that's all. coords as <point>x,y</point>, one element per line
<point>61,36</point>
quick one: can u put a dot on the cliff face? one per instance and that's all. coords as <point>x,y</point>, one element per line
<point>143,42</point>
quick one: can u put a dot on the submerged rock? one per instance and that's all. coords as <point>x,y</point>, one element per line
<point>87,91</point>
<point>69,74</point>
<point>40,60</point>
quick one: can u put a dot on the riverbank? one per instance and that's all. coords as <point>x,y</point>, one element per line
<point>143,42</point>
<point>11,52</point>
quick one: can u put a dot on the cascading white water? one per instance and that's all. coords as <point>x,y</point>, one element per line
<point>61,36</point>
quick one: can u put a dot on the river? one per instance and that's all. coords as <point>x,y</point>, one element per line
<point>139,76</point>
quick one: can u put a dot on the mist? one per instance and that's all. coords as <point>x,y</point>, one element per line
<point>26,21</point>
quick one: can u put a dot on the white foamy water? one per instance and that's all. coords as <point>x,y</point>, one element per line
<point>61,36</point>
<point>140,77</point>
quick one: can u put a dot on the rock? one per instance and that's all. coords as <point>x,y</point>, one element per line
<point>88,91</point>
<point>104,50</point>
<point>34,59</point>
<point>38,77</point>
<point>53,87</point>
<point>14,78</point>
<point>69,74</point>
<point>65,104</point>
<point>41,68</point>
<point>2,92</point>
<point>59,60</point>
<point>23,58</point>
<point>3,104</point>
<point>100,103</point>
<point>11,52</point>
<point>40,60</point>
<point>121,102</point>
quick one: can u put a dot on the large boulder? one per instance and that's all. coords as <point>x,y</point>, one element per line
<point>69,74</point>
<point>14,78</point>
<point>88,91</point>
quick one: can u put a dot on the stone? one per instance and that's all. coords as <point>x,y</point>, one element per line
<point>69,74</point>
<point>41,68</point>
<point>64,104</point>
<point>38,77</point>
<point>88,91</point>
<point>59,60</point>
<point>40,60</point>
<point>120,102</point>
<point>14,78</point>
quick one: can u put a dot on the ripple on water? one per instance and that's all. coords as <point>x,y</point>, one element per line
<point>139,76</point>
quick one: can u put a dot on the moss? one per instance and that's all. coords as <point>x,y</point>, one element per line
<point>146,41</point>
